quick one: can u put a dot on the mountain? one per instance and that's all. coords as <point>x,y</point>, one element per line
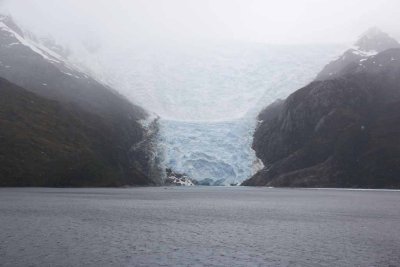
<point>108,119</point>
<point>376,40</point>
<point>33,66</point>
<point>340,132</point>
<point>369,44</point>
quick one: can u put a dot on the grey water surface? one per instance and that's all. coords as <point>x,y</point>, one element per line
<point>199,226</point>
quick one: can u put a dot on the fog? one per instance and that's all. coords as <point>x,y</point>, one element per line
<point>205,59</point>
<point>279,22</point>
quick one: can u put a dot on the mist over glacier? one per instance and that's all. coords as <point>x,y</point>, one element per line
<point>208,96</point>
<point>207,82</point>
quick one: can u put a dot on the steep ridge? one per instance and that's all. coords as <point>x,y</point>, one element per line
<point>40,70</point>
<point>339,132</point>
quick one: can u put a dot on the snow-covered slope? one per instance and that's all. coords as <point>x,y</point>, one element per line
<point>31,65</point>
<point>13,39</point>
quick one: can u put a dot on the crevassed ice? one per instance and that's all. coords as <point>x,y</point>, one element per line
<point>215,150</point>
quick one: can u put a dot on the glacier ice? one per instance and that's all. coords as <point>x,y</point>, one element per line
<point>209,150</point>
<point>208,96</point>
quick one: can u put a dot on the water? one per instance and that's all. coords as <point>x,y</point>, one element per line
<point>199,226</point>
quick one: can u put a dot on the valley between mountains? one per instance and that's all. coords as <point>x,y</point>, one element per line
<point>292,117</point>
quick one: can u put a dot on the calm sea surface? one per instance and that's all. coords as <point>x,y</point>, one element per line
<point>199,226</point>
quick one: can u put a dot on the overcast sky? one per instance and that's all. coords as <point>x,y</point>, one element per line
<point>267,21</point>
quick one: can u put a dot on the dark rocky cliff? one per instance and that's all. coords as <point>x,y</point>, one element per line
<point>341,132</point>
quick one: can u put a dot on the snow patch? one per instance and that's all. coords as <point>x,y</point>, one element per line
<point>40,49</point>
<point>364,53</point>
<point>27,43</point>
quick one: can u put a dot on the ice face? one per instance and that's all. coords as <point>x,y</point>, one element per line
<point>209,150</point>
<point>208,97</point>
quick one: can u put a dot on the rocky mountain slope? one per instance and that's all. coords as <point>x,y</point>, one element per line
<point>369,44</point>
<point>339,132</point>
<point>94,113</point>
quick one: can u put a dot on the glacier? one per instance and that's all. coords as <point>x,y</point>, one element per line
<point>208,96</point>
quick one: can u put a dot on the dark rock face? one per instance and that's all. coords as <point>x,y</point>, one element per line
<point>370,43</point>
<point>115,120</point>
<point>343,132</point>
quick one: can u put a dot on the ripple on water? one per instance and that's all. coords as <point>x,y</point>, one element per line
<point>199,226</point>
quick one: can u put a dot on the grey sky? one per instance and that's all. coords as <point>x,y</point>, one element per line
<point>276,21</point>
